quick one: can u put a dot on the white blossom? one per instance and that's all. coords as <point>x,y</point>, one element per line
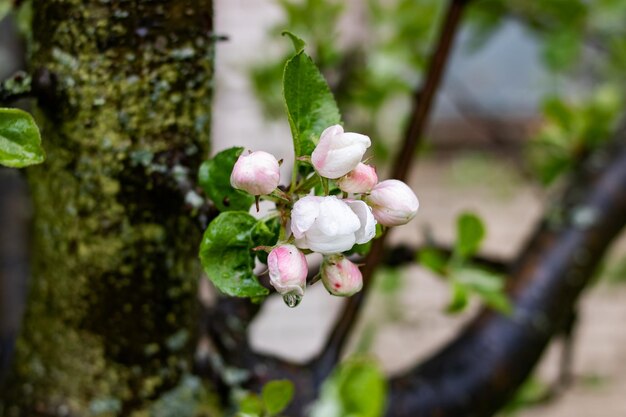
<point>330,225</point>
<point>338,152</point>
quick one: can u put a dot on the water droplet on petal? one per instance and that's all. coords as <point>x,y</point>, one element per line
<point>292,299</point>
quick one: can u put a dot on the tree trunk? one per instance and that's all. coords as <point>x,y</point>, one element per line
<point>125,100</point>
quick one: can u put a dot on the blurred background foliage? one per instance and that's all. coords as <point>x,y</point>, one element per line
<point>374,71</point>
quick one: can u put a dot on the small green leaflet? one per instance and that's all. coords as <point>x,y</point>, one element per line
<point>214,178</point>
<point>470,233</point>
<point>227,257</point>
<point>277,395</point>
<point>20,141</point>
<point>311,107</point>
<point>356,388</point>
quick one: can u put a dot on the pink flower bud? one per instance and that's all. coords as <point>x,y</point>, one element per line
<point>288,270</point>
<point>338,152</point>
<point>257,173</point>
<point>360,180</point>
<point>393,203</point>
<point>340,276</point>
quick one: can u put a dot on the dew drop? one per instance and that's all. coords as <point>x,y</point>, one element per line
<point>292,299</point>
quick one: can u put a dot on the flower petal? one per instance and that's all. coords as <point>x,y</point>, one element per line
<point>367,231</point>
<point>303,215</point>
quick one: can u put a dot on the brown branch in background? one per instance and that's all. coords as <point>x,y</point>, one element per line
<point>422,103</point>
<point>479,371</point>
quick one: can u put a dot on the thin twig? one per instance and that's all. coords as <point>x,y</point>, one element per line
<point>422,103</point>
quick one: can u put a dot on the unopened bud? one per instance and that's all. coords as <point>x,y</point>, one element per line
<point>338,152</point>
<point>257,173</point>
<point>288,270</point>
<point>393,203</point>
<point>340,276</point>
<point>360,180</point>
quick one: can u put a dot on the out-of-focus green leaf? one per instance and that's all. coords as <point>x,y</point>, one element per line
<point>470,233</point>
<point>227,257</point>
<point>434,260</point>
<point>251,405</point>
<point>572,130</point>
<point>20,142</point>
<point>357,388</point>
<point>459,300</point>
<point>562,47</point>
<point>214,178</point>
<point>478,279</point>
<point>532,392</point>
<point>277,395</point>
<point>487,285</point>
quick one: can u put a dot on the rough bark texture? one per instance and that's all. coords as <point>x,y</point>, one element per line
<point>125,121</point>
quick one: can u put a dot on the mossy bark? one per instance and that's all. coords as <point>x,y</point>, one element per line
<point>125,124</point>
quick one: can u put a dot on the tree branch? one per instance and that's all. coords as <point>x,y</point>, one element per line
<point>422,103</point>
<point>479,371</point>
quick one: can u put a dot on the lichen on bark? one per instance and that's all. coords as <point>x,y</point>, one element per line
<point>110,312</point>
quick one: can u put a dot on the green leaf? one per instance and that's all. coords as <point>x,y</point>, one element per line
<point>20,142</point>
<point>562,48</point>
<point>214,178</point>
<point>298,44</point>
<point>362,388</point>
<point>277,395</point>
<point>478,279</point>
<point>497,301</point>
<point>487,285</point>
<point>459,299</point>
<point>434,260</point>
<point>227,257</point>
<point>470,233</point>
<point>311,107</point>
<point>265,233</point>
<point>251,404</point>
<point>357,388</point>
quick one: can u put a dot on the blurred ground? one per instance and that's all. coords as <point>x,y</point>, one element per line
<point>403,322</point>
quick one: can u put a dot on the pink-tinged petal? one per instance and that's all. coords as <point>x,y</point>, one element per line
<point>338,152</point>
<point>304,213</point>
<point>257,173</point>
<point>393,203</point>
<point>288,269</point>
<point>318,157</point>
<point>360,180</point>
<point>367,230</point>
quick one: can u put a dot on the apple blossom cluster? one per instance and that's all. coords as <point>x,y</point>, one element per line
<point>331,223</point>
